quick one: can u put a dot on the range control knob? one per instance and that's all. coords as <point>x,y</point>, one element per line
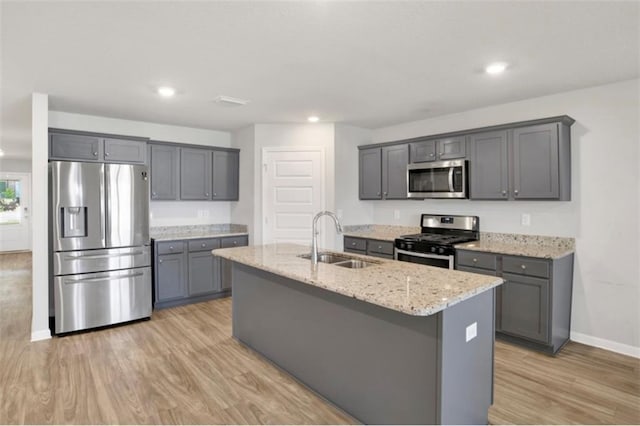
<point>408,246</point>
<point>441,250</point>
<point>433,249</point>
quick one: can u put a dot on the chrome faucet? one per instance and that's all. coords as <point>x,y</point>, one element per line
<point>314,238</point>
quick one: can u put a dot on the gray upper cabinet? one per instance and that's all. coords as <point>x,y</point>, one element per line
<point>165,166</point>
<point>195,174</point>
<point>489,166</point>
<point>383,172</point>
<point>438,149</point>
<point>75,147</point>
<point>394,171</point>
<point>370,174</point>
<point>225,175</point>
<point>535,162</point>
<point>124,151</point>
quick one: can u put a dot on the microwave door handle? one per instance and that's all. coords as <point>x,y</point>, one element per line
<point>451,189</point>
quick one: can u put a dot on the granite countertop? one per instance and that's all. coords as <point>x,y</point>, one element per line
<point>186,232</point>
<point>401,286</point>
<point>522,245</point>
<point>379,232</point>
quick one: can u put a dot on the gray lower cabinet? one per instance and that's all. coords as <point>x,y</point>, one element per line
<point>195,174</point>
<point>438,149</point>
<point>523,163</point>
<point>369,247</point>
<point>225,173</point>
<point>383,172</point>
<point>79,146</point>
<point>533,306</point>
<point>187,272</point>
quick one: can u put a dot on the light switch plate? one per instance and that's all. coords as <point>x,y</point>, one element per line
<point>472,331</point>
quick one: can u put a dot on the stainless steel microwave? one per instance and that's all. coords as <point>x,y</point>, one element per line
<point>441,179</point>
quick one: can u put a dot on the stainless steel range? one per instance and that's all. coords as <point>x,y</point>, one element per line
<point>434,246</point>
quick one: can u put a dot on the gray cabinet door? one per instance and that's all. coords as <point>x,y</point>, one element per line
<point>204,274</point>
<point>451,148</point>
<point>165,167</point>
<point>423,151</point>
<point>394,171</point>
<point>489,166</point>
<point>171,277</point>
<point>195,174</point>
<point>75,147</point>
<point>535,162</point>
<point>525,307</point>
<point>370,172</point>
<point>225,172</point>
<point>125,151</point>
<point>226,265</point>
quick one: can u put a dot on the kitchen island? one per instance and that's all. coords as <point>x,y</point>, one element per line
<point>390,343</point>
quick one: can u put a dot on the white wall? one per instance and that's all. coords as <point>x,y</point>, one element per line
<point>162,213</point>
<point>39,218</point>
<point>243,211</point>
<point>15,165</point>
<point>603,214</point>
<point>279,135</point>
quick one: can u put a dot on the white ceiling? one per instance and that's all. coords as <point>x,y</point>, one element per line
<point>370,64</point>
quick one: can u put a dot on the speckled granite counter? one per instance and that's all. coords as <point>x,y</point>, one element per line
<point>522,245</point>
<point>405,287</point>
<point>379,232</point>
<point>167,233</point>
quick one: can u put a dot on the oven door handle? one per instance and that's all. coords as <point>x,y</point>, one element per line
<point>451,188</point>
<point>423,255</point>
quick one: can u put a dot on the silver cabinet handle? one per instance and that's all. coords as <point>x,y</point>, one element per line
<point>524,266</point>
<point>206,193</point>
<point>441,154</point>
<point>215,195</point>
<point>475,260</point>
<point>504,192</point>
<point>159,260</point>
<point>106,154</point>
<point>431,155</point>
<point>379,247</point>
<point>235,243</point>
<point>378,193</point>
<point>385,193</point>
<point>154,194</point>
<point>353,243</point>
<point>204,245</point>
<point>95,154</point>
<point>170,247</point>
<point>515,192</point>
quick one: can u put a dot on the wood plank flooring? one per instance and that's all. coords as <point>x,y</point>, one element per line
<point>183,367</point>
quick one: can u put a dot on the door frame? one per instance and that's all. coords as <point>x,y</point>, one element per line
<point>24,176</point>
<point>323,181</point>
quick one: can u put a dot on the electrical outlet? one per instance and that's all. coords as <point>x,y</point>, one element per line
<point>396,214</point>
<point>472,331</point>
<point>526,219</point>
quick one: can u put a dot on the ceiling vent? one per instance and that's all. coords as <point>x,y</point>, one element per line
<point>228,101</point>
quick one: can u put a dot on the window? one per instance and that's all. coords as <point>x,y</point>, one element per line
<point>10,212</point>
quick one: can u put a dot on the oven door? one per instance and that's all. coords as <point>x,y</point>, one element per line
<point>439,261</point>
<point>443,179</point>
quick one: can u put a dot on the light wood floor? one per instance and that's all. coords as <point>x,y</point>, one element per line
<point>184,367</point>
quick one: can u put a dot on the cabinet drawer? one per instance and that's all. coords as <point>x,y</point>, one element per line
<point>204,245</point>
<point>477,259</point>
<point>355,244</point>
<point>239,241</point>
<point>525,266</point>
<point>380,247</point>
<point>169,247</point>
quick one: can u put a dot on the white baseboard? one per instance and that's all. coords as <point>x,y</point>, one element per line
<point>40,335</point>
<point>609,345</point>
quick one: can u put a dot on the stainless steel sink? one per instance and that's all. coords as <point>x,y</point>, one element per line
<point>343,260</point>
<point>355,264</point>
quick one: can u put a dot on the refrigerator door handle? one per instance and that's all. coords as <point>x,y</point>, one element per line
<point>105,278</point>
<point>102,256</point>
<point>104,213</point>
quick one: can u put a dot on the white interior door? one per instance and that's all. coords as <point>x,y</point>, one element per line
<point>293,192</point>
<point>15,211</point>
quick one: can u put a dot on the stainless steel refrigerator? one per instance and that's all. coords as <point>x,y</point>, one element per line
<point>100,244</point>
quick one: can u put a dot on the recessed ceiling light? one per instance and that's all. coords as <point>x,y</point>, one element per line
<point>166,91</point>
<point>313,119</point>
<point>496,68</point>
